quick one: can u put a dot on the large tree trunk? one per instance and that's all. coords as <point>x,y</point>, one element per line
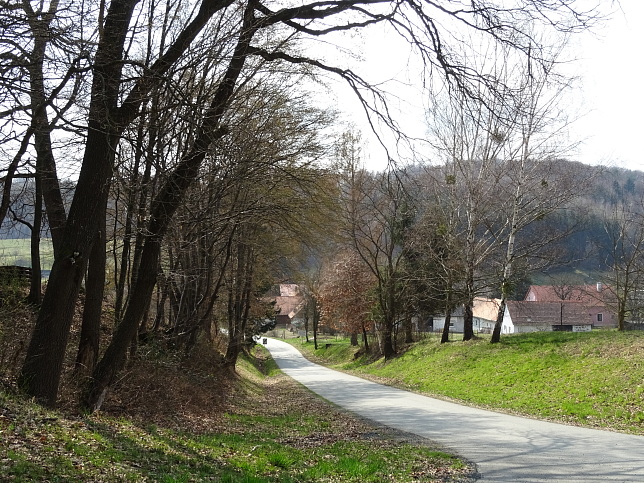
<point>94,290</point>
<point>40,375</point>
<point>165,205</point>
<point>496,333</point>
<point>448,319</point>
<point>36,275</point>
<point>354,339</point>
<point>387,339</point>
<point>468,322</point>
<point>41,371</point>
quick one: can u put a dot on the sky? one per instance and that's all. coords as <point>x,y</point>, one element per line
<point>612,75</point>
<point>609,99</point>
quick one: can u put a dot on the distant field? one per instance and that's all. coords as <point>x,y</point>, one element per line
<point>16,251</point>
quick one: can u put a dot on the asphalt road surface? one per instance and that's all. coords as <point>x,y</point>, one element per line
<point>503,447</point>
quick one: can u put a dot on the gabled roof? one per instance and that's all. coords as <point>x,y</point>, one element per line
<point>289,305</point>
<point>486,309</point>
<point>548,313</point>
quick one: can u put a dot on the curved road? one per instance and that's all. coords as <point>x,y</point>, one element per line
<point>503,447</point>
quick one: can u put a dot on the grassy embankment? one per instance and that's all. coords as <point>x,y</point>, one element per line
<point>592,379</point>
<point>276,432</point>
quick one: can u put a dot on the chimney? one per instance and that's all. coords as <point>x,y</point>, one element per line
<point>599,286</point>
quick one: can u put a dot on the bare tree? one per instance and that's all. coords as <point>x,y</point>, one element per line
<point>347,296</point>
<point>120,87</point>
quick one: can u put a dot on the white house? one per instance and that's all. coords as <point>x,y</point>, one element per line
<point>456,321</point>
<point>484,314</point>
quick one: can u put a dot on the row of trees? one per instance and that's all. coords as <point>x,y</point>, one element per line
<point>199,153</point>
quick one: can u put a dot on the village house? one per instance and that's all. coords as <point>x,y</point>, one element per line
<point>545,308</point>
<point>531,316</point>
<point>288,306</point>
<point>484,314</point>
<point>594,299</point>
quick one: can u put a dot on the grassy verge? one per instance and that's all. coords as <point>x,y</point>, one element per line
<point>593,379</point>
<point>276,431</point>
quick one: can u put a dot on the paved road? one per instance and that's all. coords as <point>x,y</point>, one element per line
<point>504,448</point>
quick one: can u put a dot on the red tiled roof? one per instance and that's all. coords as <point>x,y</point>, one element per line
<point>590,295</point>
<point>288,305</point>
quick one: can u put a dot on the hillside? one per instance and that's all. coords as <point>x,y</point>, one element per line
<point>177,423</point>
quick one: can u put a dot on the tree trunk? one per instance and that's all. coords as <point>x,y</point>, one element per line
<point>41,371</point>
<point>94,290</point>
<point>468,316</point>
<point>387,340</point>
<point>165,205</point>
<point>115,355</point>
<point>364,339</point>
<point>35,287</point>
<point>448,319</point>
<point>354,339</point>
<point>40,374</point>
<point>468,324</point>
<point>496,333</point>
<point>46,165</point>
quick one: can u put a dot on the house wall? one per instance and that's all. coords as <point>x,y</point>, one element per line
<point>483,325</point>
<point>457,321</point>
<point>608,318</point>
<point>508,326</point>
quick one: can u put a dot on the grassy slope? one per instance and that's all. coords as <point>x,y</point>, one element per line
<point>274,431</point>
<point>592,379</point>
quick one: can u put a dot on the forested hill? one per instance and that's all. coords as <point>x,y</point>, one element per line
<point>611,186</point>
<point>586,216</point>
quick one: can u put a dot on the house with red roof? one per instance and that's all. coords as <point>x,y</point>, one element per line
<point>595,300</point>
<point>288,305</point>
<point>531,316</point>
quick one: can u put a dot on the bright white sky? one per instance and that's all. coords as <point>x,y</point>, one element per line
<point>613,74</point>
<point>611,125</point>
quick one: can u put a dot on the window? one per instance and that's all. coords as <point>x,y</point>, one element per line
<point>600,317</point>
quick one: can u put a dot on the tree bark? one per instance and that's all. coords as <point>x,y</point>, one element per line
<point>364,339</point>
<point>40,375</point>
<point>165,205</point>
<point>88,347</point>
<point>468,324</point>
<point>354,339</point>
<point>448,319</point>
<point>36,274</point>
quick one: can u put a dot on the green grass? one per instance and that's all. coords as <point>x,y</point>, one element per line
<point>17,251</point>
<point>282,440</point>
<point>593,379</point>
